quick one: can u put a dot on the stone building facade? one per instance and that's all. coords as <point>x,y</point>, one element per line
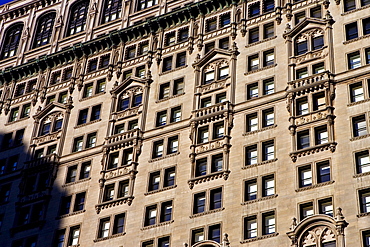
<point>185,123</point>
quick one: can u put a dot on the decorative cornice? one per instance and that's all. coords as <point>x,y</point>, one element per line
<point>356,39</point>
<point>168,98</point>
<point>157,225</point>
<point>260,130</point>
<point>76,182</point>
<point>206,212</point>
<point>259,199</point>
<point>260,69</point>
<point>259,238</point>
<point>311,150</point>
<point>93,96</point>
<point>110,237</point>
<point>164,157</point>
<point>358,102</point>
<point>113,203</point>
<point>260,42</point>
<point>363,214</point>
<point>85,124</point>
<point>172,70</point>
<point>208,177</point>
<point>355,10</point>
<point>361,175</point>
<point>259,164</point>
<point>359,137</point>
<point>67,215</point>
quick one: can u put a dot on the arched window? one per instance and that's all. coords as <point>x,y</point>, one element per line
<point>130,98</point>
<point>11,41</point>
<point>309,41</point>
<point>215,71</point>
<point>77,20</point>
<point>44,30</point>
<point>112,10</point>
<point>51,123</point>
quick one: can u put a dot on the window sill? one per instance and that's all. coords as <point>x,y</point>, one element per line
<point>123,137</point>
<point>208,177</point>
<point>206,212</point>
<point>85,124</point>
<point>361,175</point>
<point>172,70</point>
<point>260,42</point>
<point>164,157</point>
<point>160,190</point>
<point>11,147</point>
<point>124,200</point>
<point>17,121</point>
<point>259,164</point>
<point>47,138</point>
<point>311,150</point>
<point>314,186</point>
<point>37,224</point>
<point>22,97</point>
<point>259,199</point>
<point>355,10</point>
<point>76,182</point>
<point>356,39</point>
<point>359,137</point>
<point>90,97</point>
<point>127,113</point>
<point>168,98</point>
<point>358,102</point>
<point>110,237</point>
<point>67,215</point>
<point>260,69</point>
<point>259,238</point>
<point>157,225</point>
<point>308,56</point>
<point>363,214</point>
<point>260,130</point>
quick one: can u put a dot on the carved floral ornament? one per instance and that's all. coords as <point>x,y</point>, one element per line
<point>216,64</point>
<point>53,117</point>
<point>132,91</point>
<point>315,32</point>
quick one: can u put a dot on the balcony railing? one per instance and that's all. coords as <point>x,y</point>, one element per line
<point>46,160</point>
<point>213,110</point>
<point>308,81</point>
<point>123,137</point>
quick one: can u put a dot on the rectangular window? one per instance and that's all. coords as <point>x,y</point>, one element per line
<point>268,5</point>
<point>203,135</point>
<point>321,135</point>
<point>181,59</point>
<point>93,65</point>
<point>74,235</point>
<point>359,126</point>
<point>253,62</point>
<point>326,207</point>
<point>91,140</point>
<point>301,47</point>
<point>268,30</point>
<point>316,12</point>
<point>302,73</point>
<point>268,150</point>
<point>178,86</point>
<point>250,190</point>
<point>113,160</point>
<point>78,144</point>
<point>366,23</point>
<point>164,91</point>
<point>268,118</point>
<point>169,177</point>
<point>95,113</point>
<point>351,31</point>
<point>209,77</point>
<point>201,167</point>
<point>140,71</point>
<point>119,224</point>
<point>366,238</point>
<point>18,139</point>
<point>252,91</point>
<point>65,205</point>
<point>166,211</point>
<point>205,102</point>
<point>357,92</point>
<point>364,196</point>
<point>302,106</point>
<point>349,5</point>
<point>130,52</point>
<point>217,163</point>
<point>176,114</point>
<point>218,130</point>
<point>268,86</point>
<point>123,188</point>
<point>223,73</point>
<point>225,20</point>
<point>306,210</point>
<point>251,155</point>
<point>108,193</point>
<point>211,25</point>
<point>59,238</point>
<point>254,35</point>
<point>85,170</point>
<point>104,61</point>
<point>158,149</point>
<point>354,60</point>
<point>299,17</point>
<point>362,162</point>
<point>268,220</point>
<point>164,242</point>
<point>268,58</point>
<point>88,90</point>
<point>319,101</point>
<point>254,10</point>
<point>250,227</point>
<point>303,139</point>
<point>220,98</point>
<point>323,172</point>
<point>127,156</point>
<point>208,47</point>
<point>14,114</point>
<point>183,34</point>
<point>214,233</point>
<point>55,79</point>
<point>224,43</point>
<point>173,145</point>
<point>268,184</point>
<point>318,68</point>
<point>317,42</point>
<point>63,97</point>
<point>79,202</point>
<point>367,55</point>
<point>154,181</point>
<point>26,110</point>
<point>161,118</point>
<point>82,117</point>
<point>199,203</point>
<point>170,39</point>
<point>305,176</point>
<point>104,228</point>
<point>197,235</point>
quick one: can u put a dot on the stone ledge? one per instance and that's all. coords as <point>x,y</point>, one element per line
<point>172,70</point>
<point>160,190</point>
<point>314,186</point>
<point>260,130</point>
<point>259,238</point>
<point>259,199</point>
<point>157,225</point>
<point>73,213</point>
<point>93,96</point>
<point>356,39</point>
<point>355,10</point>
<point>206,212</point>
<point>359,137</point>
<point>358,102</point>
<point>311,150</point>
<point>208,177</point>
<point>259,164</point>
<point>113,203</point>
<point>168,98</point>
<point>361,174</point>
<point>76,182</point>
<point>85,124</point>
<point>17,121</point>
<point>363,214</point>
<point>261,41</point>
<point>110,237</point>
<point>260,69</point>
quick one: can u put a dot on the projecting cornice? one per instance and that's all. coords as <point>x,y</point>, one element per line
<point>303,24</point>
<point>48,108</point>
<point>129,81</point>
<point>114,38</point>
<point>210,55</point>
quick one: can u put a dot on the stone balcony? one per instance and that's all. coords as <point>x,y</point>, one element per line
<point>313,116</point>
<point>46,161</point>
<point>214,112</point>
<point>204,147</point>
<point>308,82</point>
<point>127,138</point>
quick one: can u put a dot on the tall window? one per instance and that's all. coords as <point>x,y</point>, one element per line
<point>44,30</point>
<point>112,10</point>
<point>11,41</point>
<point>77,21</point>
<point>143,4</point>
